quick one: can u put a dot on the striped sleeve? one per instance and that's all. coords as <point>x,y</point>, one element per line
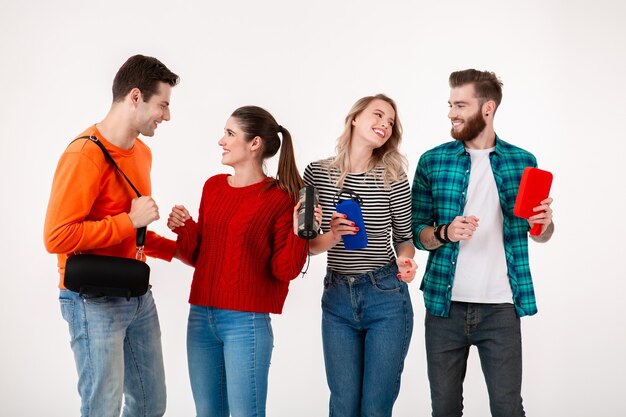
<point>401,212</point>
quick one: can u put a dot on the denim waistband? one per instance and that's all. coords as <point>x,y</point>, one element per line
<point>390,269</point>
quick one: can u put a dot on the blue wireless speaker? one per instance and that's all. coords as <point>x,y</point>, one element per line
<point>352,209</point>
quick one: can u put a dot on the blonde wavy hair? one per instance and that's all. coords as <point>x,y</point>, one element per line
<point>387,157</point>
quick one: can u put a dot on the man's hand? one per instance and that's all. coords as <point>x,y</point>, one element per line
<point>143,211</point>
<point>543,216</point>
<point>462,228</point>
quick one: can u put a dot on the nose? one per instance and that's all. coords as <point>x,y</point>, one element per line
<point>166,114</point>
<point>451,113</point>
<point>221,142</point>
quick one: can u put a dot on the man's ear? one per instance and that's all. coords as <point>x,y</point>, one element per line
<point>489,108</point>
<point>135,96</point>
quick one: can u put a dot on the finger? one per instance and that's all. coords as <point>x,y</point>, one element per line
<point>539,217</point>
<point>337,215</point>
<point>342,222</point>
<point>406,277</point>
<point>346,229</point>
<point>473,220</point>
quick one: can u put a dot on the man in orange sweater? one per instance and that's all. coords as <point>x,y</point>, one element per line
<point>116,342</point>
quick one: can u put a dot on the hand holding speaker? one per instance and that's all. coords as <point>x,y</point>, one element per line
<point>533,201</point>
<point>351,208</point>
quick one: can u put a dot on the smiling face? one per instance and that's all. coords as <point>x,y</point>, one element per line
<point>466,113</point>
<point>236,150</point>
<point>149,114</point>
<point>373,126</point>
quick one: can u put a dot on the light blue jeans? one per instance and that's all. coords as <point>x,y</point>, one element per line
<point>229,355</point>
<point>117,349</point>
<point>367,324</point>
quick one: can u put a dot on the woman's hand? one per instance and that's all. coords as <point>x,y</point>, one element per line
<point>178,217</point>
<point>317,213</point>
<point>340,225</point>
<point>407,268</point>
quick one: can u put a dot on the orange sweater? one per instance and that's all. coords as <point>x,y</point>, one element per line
<point>90,201</point>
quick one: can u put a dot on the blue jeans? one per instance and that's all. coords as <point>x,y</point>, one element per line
<point>367,323</point>
<point>495,330</point>
<point>117,349</point>
<point>229,355</point>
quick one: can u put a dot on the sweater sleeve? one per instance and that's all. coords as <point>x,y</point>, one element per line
<point>289,251</point>
<point>160,247</point>
<point>75,188</point>
<point>190,235</point>
<point>188,241</point>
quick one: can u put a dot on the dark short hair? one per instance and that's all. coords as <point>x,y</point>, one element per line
<point>144,73</point>
<point>486,84</point>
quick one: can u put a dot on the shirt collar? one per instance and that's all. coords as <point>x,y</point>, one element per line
<point>459,149</point>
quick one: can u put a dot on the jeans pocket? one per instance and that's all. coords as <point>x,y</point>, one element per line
<point>387,284</point>
<point>327,281</point>
<point>67,312</point>
<point>268,321</point>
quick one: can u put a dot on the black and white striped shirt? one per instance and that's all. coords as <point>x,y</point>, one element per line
<point>386,214</point>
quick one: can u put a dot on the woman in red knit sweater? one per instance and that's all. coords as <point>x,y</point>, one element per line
<point>245,252</point>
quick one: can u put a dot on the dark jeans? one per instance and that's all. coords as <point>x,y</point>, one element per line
<point>495,330</point>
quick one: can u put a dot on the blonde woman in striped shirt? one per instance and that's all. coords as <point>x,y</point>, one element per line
<point>367,316</point>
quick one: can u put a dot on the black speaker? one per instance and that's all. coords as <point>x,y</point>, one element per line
<point>307,225</point>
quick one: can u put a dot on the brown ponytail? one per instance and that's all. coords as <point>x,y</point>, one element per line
<point>288,177</point>
<point>256,121</point>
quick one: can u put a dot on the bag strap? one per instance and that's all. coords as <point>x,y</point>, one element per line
<point>141,232</point>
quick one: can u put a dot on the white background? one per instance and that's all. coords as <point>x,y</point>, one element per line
<point>562,63</point>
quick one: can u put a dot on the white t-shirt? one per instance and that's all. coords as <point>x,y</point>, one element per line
<point>481,273</point>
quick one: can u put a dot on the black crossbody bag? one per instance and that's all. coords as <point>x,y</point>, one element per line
<point>100,275</point>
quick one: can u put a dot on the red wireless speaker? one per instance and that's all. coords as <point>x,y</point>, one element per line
<point>533,189</point>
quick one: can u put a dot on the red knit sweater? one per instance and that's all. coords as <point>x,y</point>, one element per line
<point>243,247</point>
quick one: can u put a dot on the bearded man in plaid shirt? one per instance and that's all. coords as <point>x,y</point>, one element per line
<point>477,282</point>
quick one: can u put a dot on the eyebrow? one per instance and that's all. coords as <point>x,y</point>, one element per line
<point>381,111</point>
<point>458,102</point>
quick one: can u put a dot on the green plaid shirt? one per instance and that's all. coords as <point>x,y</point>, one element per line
<point>438,196</point>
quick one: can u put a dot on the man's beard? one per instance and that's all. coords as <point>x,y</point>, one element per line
<point>471,129</point>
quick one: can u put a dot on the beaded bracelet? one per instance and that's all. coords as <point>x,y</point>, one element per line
<point>445,233</point>
<point>438,235</point>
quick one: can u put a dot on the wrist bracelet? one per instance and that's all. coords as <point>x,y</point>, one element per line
<point>437,232</point>
<point>445,233</point>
